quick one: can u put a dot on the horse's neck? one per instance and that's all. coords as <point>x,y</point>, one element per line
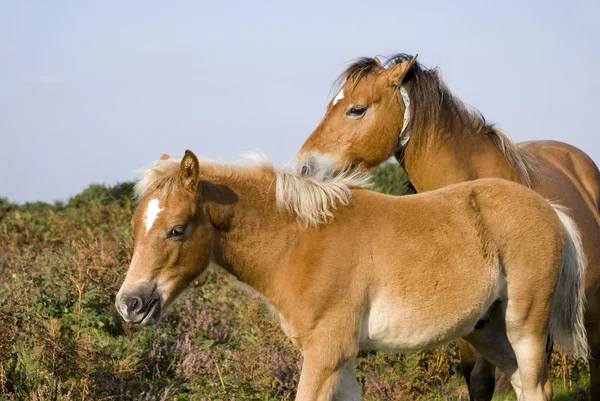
<point>457,157</point>
<point>251,233</point>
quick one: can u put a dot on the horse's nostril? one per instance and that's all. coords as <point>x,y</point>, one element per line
<point>134,304</point>
<point>304,170</point>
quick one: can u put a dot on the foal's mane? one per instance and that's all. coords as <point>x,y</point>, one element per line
<point>435,111</point>
<point>312,201</point>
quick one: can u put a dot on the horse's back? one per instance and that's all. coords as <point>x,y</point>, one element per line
<point>457,210</point>
<point>570,161</point>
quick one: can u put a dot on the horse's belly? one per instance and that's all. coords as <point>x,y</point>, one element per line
<point>394,325</point>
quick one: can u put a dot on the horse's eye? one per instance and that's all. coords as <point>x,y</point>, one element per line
<point>176,232</point>
<point>356,111</point>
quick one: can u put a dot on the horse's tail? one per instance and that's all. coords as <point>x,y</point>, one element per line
<point>567,326</point>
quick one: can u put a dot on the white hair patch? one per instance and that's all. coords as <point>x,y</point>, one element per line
<point>338,97</point>
<point>152,213</point>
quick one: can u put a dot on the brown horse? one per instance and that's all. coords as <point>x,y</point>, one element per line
<point>402,109</point>
<point>350,283</point>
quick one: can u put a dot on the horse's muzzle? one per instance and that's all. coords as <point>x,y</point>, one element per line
<point>305,168</point>
<point>142,305</point>
<point>320,167</point>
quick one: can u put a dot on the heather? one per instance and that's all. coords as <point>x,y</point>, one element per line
<point>62,339</point>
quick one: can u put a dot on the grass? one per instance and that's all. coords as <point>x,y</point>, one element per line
<point>562,392</point>
<point>61,338</point>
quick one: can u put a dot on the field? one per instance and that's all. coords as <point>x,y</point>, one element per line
<point>62,339</point>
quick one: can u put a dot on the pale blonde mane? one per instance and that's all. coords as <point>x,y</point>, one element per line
<point>164,176</point>
<point>311,200</point>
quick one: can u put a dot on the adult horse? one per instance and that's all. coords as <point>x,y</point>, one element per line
<point>349,284</point>
<point>402,109</point>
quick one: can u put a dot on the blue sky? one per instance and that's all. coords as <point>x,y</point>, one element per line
<point>91,91</point>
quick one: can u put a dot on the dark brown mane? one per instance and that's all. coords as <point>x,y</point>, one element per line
<point>356,71</point>
<point>435,113</point>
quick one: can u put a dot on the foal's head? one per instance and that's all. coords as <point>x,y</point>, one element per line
<point>363,122</point>
<point>173,240</point>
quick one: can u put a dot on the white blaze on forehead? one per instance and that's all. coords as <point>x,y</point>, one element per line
<point>339,97</point>
<point>151,213</point>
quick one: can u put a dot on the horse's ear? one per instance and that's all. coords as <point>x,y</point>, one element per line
<point>397,73</point>
<point>377,61</point>
<point>165,156</point>
<point>190,171</point>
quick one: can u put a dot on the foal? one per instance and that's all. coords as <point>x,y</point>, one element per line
<point>380,272</point>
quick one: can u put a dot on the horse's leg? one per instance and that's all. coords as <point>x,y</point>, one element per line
<point>530,351</point>
<point>492,343</point>
<point>318,379</point>
<point>478,372</point>
<point>483,379</point>
<point>594,367</point>
<point>348,388</point>
<point>468,357</point>
<point>547,383</point>
<point>527,315</point>
<point>327,369</point>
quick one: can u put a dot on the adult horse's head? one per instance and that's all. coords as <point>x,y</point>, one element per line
<point>366,121</point>
<point>172,243</point>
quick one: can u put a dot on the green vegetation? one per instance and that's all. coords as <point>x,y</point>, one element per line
<point>62,339</point>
